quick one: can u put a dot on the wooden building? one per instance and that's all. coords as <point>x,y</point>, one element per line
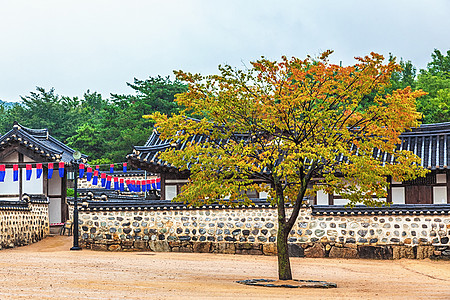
<point>21,146</point>
<point>431,142</point>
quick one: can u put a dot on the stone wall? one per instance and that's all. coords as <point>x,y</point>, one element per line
<point>23,223</point>
<point>253,231</point>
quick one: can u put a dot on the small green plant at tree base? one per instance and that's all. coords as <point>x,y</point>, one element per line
<point>71,193</point>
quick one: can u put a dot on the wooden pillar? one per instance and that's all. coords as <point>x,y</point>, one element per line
<point>64,206</point>
<point>45,181</point>
<point>448,187</point>
<point>163,186</point>
<point>330,199</point>
<point>20,176</point>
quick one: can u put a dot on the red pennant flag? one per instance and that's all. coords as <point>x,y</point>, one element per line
<point>61,169</point>
<point>81,170</point>
<point>15,172</point>
<point>2,173</point>
<point>28,171</point>
<point>108,182</point>
<point>95,179</point>
<point>103,179</point>
<point>50,171</point>
<point>38,170</point>
<point>89,174</point>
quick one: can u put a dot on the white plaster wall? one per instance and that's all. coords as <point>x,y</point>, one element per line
<point>9,186</point>
<point>13,157</point>
<point>34,185</point>
<point>28,160</point>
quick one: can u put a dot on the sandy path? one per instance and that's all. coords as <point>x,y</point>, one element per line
<point>48,270</point>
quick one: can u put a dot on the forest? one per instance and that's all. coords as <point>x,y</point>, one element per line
<point>105,129</point>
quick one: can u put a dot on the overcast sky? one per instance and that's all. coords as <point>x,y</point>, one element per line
<point>98,45</point>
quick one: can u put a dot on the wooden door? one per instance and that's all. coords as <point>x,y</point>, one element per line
<point>419,194</point>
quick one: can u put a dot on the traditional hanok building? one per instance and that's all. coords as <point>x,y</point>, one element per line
<point>146,158</point>
<point>23,146</point>
<point>431,142</point>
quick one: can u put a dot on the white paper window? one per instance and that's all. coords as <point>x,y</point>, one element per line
<point>398,195</point>
<point>171,192</point>
<point>322,198</point>
<point>263,195</point>
<point>441,178</point>
<point>340,201</point>
<point>439,194</point>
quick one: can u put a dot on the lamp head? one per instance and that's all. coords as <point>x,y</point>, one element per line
<point>77,155</point>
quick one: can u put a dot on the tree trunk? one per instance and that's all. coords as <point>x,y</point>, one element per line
<point>284,264</point>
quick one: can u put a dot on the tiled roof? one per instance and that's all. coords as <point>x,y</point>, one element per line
<point>431,142</point>
<point>148,154</point>
<point>123,204</point>
<point>39,141</point>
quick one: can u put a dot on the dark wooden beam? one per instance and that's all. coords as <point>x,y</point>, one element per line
<point>45,181</point>
<point>163,186</point>
<point>64,206</point>
<point>448,187</point>
<point>330,199</point>
<point>20,176</point>
<point>9,195</point>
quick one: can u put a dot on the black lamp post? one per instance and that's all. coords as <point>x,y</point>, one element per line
<point>75,163</point>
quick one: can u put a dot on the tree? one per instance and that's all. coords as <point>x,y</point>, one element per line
<point>440,65</point>
<point>122,122</point>
<point>87,140</point>
<point>404,78</point>
<point>9,115</point>
<point>297,126</point>
<point>45,109</point>
<point>435,80</point>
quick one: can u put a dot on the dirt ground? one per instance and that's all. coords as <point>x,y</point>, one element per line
<point>49,270</point>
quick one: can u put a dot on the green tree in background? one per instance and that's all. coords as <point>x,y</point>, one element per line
<point>435,80</point>
<point>115,126</point>
<point>399,80</point>
<point>101,128</point>
<point>87,137</point>
<point>44,109</point>
<point>405,77</point>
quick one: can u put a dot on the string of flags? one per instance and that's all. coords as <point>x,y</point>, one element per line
<point>29,171</point>
<point>92,175</point>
